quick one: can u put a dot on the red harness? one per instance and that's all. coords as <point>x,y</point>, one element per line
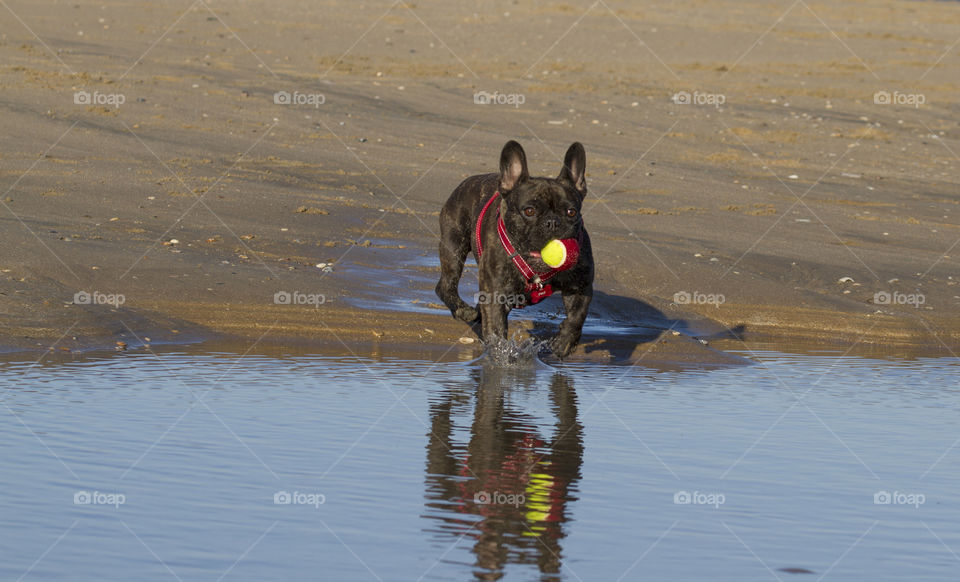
<point>535,286</point>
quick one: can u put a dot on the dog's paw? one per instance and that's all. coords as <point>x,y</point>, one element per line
<point>468,314</point>
<point>560,346</point>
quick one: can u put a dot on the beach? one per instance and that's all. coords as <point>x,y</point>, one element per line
<point>273,173</point>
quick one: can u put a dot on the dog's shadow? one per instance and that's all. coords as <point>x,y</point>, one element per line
<point>617,326</point>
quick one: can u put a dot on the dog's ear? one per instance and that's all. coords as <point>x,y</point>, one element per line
<point>513,166</point>
<point>575,167</point>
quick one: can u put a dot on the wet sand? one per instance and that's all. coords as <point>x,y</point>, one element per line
<point>803,209</point>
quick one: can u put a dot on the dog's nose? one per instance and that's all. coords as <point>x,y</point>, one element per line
<point>552,223</point>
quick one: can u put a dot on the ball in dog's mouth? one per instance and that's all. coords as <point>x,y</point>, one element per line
<point>559,253</point>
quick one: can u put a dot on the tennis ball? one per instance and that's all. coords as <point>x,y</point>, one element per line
<point>554,253</point>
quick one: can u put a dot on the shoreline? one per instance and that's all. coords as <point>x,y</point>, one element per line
<point>353,331</point>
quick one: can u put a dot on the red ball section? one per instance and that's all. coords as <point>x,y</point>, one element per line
<point>572,255</point>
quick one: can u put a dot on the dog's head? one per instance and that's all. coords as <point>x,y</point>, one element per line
<point>538,210</point>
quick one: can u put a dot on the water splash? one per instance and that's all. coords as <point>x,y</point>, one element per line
<point>507,353</point>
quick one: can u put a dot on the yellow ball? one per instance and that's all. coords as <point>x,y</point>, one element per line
<point>554,253</point>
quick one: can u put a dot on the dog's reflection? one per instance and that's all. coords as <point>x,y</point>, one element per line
<point>504,485</point>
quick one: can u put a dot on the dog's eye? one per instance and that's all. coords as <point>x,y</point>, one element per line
<point>571,212</point>
<point>529,211</point>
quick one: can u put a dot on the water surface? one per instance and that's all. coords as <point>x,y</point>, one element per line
<point>198,465</point>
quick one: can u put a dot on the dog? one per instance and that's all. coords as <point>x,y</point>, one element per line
<point>505,219</point>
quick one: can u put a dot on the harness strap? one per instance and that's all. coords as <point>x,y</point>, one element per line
<point>480,223</point>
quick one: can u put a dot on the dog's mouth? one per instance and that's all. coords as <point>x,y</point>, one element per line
<point>536,260</point>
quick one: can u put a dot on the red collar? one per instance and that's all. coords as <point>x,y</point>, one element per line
<point>535,286</point>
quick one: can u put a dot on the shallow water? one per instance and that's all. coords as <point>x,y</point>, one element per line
<point>400,469</point>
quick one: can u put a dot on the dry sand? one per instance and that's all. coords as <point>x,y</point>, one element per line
<point>798,199</point>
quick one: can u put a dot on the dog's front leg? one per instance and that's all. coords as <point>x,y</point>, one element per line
<point>576,306</point>
<point>493,317</point>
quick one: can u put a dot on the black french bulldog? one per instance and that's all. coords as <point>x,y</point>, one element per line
<point>534,211</point>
